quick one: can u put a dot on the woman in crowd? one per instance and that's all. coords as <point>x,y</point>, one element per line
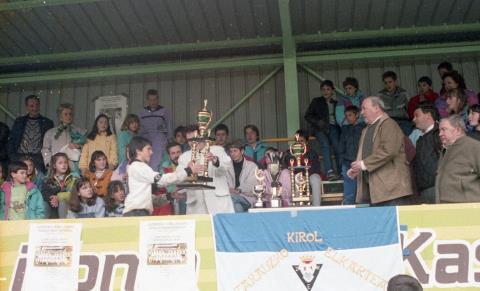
<point>454,80</point>
<point>65,137</point>
<point>102,139</point>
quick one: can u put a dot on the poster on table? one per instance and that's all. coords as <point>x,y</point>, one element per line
<point>167,256</point>
<point>53,257</point>
<point>115,107</point>
<point>337,249</point>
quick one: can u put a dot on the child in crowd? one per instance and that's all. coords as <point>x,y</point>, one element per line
<point>474,121</point>
<point>425,93</point>
<point>129,129</point>
<point>102,139</point>
<point>57,186</point>
<point>141,177</point>
<point>19,198</point>
<point>180,135</point>
<point>348,148</point>
<point>98,173</point>
<point>115,200</point>
<point>457,103</point>
<point>33,175</point>
<point>84,203</point>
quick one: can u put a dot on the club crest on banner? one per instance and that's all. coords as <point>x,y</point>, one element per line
<point>307,271</point>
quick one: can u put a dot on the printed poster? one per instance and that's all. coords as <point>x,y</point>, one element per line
<point>167,256</point>
<point>53,257</point>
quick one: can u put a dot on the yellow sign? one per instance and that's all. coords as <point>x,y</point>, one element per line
<point>109,256</point>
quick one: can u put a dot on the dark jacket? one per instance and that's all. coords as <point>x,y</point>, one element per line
<point>425,163</point>
<point>348,145</point>
<point>4,133</point>
<point>17,132</point>
<point>317,114</point>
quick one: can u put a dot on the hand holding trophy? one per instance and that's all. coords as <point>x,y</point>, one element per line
<point>259,189</point>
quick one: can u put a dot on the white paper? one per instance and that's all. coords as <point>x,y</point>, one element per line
<point>53,257</point>
<point>167,256</point>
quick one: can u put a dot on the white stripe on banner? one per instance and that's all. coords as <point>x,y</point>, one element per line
<point>345,249</point>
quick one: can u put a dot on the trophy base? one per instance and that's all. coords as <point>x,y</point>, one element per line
<point>258,204</point>
<point>202,179</point>
<point>301,201</point>
<point>275,203</point>
<point>195,186</point>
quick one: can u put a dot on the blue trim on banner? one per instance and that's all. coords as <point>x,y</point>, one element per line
<point>299,231</point>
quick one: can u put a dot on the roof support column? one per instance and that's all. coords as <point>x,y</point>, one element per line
<point>290,69</point>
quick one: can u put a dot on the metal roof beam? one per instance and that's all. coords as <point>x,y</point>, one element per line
<point>290,73</point>
<point>29,4</point>
<point>254,61</point>
<point>255,42</point>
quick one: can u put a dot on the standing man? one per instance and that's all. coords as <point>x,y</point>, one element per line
<point>27,133</point>
<point>381,165</point>
<point>155,125</point>
<point>428,150</point>
<point>458,174</point>
<point>208,201</point>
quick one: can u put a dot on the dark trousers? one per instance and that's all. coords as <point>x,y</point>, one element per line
<point>405,200</point>
<point>137,212</point>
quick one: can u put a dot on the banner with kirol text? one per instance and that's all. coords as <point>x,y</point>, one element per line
<point>334,249</point>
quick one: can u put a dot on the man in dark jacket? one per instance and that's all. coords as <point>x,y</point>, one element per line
<point>4,133</point>
<point>320,116</point>
<point>428,150</point>
<point>28,131</point>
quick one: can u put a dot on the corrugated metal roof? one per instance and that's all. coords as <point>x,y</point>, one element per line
<point>94,25</point>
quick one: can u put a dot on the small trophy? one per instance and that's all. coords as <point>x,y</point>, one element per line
<point>300,183</point>
<point>274,168</point>
<point>200,181</point>
<point>259,188</point>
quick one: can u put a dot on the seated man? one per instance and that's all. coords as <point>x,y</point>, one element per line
<point>174,150</point>
<point>221,135</point>
<point>241,178</point>
<point>314,171</point>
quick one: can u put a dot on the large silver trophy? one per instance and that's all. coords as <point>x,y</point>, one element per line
<point>274,168</point>
<point>200,181</point>
<point>299,174</point>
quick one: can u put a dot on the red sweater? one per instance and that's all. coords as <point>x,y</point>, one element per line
<point>412,104</point>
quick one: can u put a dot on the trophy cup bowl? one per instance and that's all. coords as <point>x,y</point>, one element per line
<point>297,149</point>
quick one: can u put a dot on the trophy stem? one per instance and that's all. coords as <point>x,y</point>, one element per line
<point>307,180</point>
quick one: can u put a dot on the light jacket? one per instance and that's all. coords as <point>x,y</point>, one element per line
<point>387,166</point>
<point>34,202</point>
<point>104,143</point>
<point>247,180</point>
